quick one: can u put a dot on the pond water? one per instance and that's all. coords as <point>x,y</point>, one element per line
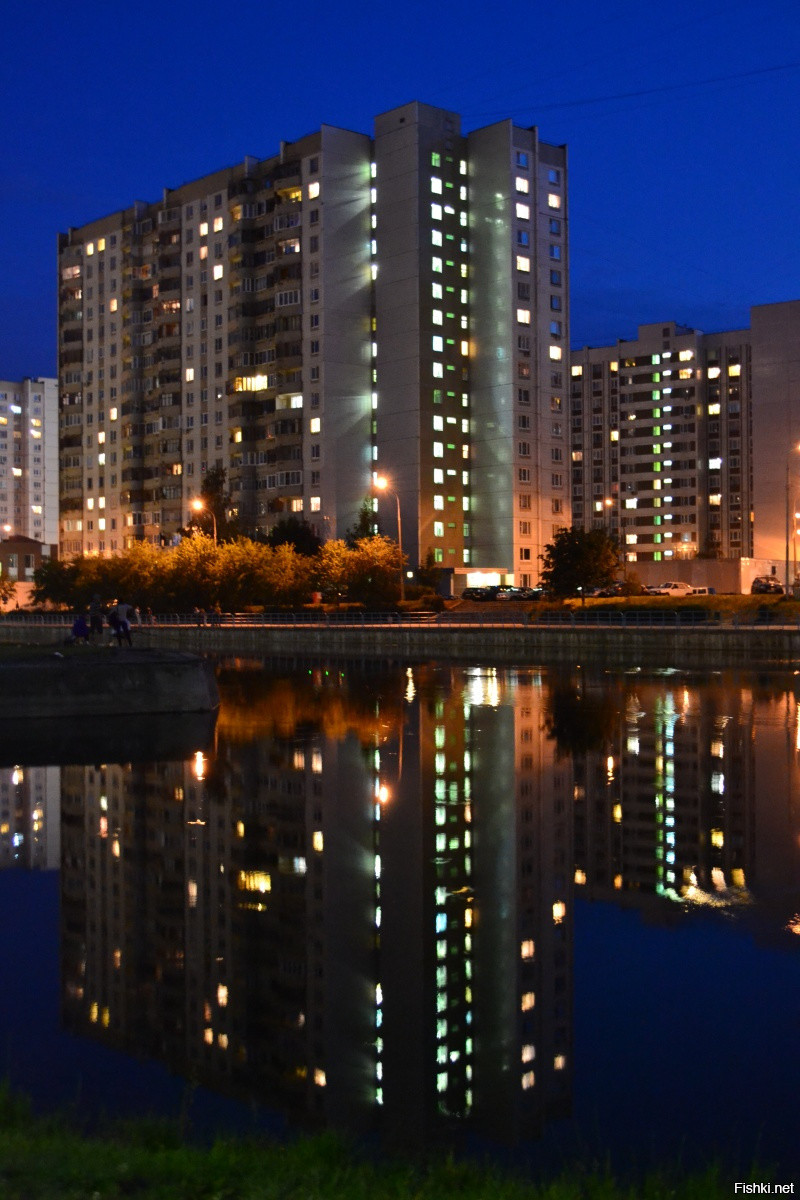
<point>533,913</point>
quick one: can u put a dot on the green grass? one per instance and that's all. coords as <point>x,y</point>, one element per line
<point>44,1159</point>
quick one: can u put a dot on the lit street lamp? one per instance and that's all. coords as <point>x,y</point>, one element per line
<point>199,506</point>
<point>382,484</point>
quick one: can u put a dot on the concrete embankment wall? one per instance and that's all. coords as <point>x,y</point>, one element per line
<point>708,648</point>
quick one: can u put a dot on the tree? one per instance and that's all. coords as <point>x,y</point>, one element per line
<point>579,559</point>
<point>217,501</point>
<point>366,525</point>
<point>294,531</point>
<point>335,569</point>
<point>375,577</point>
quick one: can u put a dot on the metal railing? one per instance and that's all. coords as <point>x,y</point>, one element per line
<point>485,618</point>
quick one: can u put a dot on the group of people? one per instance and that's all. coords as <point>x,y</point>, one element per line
<point>119,615</point>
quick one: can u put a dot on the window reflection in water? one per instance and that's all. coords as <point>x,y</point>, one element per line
<point>361,908</point>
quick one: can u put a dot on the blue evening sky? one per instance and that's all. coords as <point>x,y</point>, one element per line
<point>681,121</point>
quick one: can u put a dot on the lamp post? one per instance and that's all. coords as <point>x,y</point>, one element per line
<point>382,484</point>
<point>200,506</point>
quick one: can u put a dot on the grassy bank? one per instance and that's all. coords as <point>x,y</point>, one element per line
<point>43,1159</point>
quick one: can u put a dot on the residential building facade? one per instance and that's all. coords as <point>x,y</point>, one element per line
<point>661,443</point>
<point>351,308</point>
<point>29,459</point>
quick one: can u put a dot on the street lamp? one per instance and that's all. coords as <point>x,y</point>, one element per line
<point>200,506</point>
<point>382,484</point>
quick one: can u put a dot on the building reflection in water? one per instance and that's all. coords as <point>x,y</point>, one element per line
<point>694,799</point>
<point>29,817</point>
<point>355,908</point>
<point>357,905</point>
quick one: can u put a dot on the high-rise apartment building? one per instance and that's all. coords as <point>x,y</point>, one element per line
<point>661,443</point>
<point>29,459</point>
<point>353,307</point>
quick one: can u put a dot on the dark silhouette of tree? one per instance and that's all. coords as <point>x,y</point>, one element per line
<point>217,500</point>
<point>579,559</point>
<point>579,720</point>
<point>293,531</point>
<point>366,525</point>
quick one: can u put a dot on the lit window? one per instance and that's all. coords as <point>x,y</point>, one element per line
<point>526,948</point>
<point>314,504</point>
<point>553,201</point>
<point>189,374</point>
<point>523,262</point>
<point>524,317</point>
<point>437,316</point>
<point>436,212</point>
<point>218,271</point>
<point>436,185</point>
<point>204,229</point>
<point>112,304</point>
<point>438,450</point>
<point>90,247</point>
<point>315,424</point>
<point>555,353</point>
<point>527,1001</point>
<point>313,190</point>
<point>715,464</point>
<point>522,185</point>
<point>686,355</point>
<point>734,369</point>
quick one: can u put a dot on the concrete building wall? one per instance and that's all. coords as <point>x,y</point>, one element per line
<point>338,304</point>
<point>29,459</point>
<point>310,322</point>
<point>661,443</point>
<point>775,341</point>
<point>520,323</point>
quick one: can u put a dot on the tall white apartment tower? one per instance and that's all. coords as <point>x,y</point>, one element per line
<point>471,339</point>
<point>352,308</point>
<point>29,459</point>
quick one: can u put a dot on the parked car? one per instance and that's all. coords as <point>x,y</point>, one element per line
<point>475,593</point>
<point>766,585</point>
<point>674,587</point>
<point>519,593</point>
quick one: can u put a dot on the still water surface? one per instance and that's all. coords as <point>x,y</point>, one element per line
<point>530,912</point>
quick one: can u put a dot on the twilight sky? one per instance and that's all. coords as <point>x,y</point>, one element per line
<point>682,123</point>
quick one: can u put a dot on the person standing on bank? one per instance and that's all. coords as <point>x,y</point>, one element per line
<point>119,620</point>
<point>95,616</point>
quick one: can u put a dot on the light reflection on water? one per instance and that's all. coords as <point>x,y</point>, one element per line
<point>537,909</point>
